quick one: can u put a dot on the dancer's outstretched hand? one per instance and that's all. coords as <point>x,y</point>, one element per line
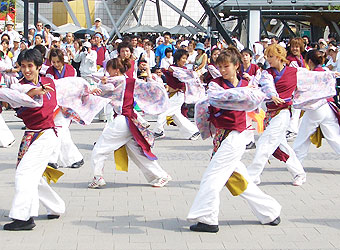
<point>277,100</point>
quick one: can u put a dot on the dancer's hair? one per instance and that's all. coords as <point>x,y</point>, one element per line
<point>229,55</point>
<point>278,51</point>
<point>178,55</point>
<point>56,53</point>
<point>117,63</point>
<point>315,56</point>
<point>297,41</point>
<point>31,55</point>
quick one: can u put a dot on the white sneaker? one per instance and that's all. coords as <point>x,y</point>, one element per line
<point>195,136</point>
<point>161,182</point>
<point>299,180</point>
<point>97,182</point>
<point>257,181</point>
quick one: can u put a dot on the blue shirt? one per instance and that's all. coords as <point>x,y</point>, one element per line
<point>160,51</point>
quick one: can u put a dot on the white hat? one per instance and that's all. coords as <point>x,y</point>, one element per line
<point>87,44</point>
<point>266,40</point>
<point>55,39</point>
<point>31,27</point>
<point>119,41</point>
<point>17,40</point>
<point>184,43</point>
<point>98,19</point>
<point>9,23</point>
<point>282,44</point>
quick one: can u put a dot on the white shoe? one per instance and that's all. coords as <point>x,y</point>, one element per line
<point>161,182</point>
<point>195,136</point>
<point>299,180</point>
<point>97,182</point>
<point>257,181</point>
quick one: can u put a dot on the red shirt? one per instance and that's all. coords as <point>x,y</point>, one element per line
<point>228,119</point>
<point>285,84</point>
<point>251,70</point>
<point>67,71</point>
<point>300,61</point>
<point>131,70</point>
<point>40,118</point>
<point>100,54</point>
<point>172,81</point>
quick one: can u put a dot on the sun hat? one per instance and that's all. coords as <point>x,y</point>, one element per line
<point>200,46</point>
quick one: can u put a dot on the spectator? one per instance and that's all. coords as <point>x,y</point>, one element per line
<point>11,33</point>
<point>192,54</point>
<point>149,55</point>
<point>88,62</point>
<point>167,60</point>
<point>160,51</point>
<point>201,59</point>
<point>98,47</point>
<point>98,28</point>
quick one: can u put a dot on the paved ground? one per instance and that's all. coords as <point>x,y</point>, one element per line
<point>129,214</point>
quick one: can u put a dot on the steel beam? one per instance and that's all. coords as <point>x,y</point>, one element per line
<point>183,9</point>
<point>123,16</point>
<point>336,27</point>
<point>133,11</point>
<point>26,7</point>
<point>40,17</point>
<point>288,28</point>
<point>116,30</point>
<point>141,13</point>
<point>70,11</point>
<point>184,15</point>
<point>159,15</point>
<point>36,11</point>
<point>87,14</point>
<point>264,29</point>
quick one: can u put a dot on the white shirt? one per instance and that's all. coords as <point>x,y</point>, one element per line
<point>191,60</point>
<point>137,52</point>
<point>88,62</point>
<point>151,59</point>
<point>12,35</point>
<point>15,56</point>
<point>166,62</point>
<point>114,54</point>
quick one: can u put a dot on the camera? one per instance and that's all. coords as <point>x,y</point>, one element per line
<point>84,49</point>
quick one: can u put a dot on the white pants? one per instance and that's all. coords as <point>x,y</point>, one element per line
<point>294,121</point>
<point>250,131</point>
<point>6,136</point>
<point>30,187</point>
<point>187,128</point>
<point>115,135</point>
<point>65,149</point>
<point>326,119</point>
<point>226,160</point>
<point>275,136</point>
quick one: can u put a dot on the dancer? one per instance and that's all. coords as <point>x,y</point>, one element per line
<point>247,71</point>
<point>279,83</point>
<point>324,120</point>
<point>295,58</point>
<point>124,132</point>
<point>176,94</point>
<point>225,167</point>
<point>37,146</point>
<point>66,151</point>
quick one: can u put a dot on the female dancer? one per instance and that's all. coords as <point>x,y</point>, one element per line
<point>66,151</point>
<point>225,165</point>
<point>295,58</point>
<point>279,83</point>
<point>123,131</point>
<point>176,94</point>
<point>326,117</point>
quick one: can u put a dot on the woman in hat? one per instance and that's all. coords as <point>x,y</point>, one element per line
<point>201,59</point>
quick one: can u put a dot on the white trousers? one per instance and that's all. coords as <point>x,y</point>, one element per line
<point>250,131</point>
<point>115,135</point>
<point>65,149</point>
<point>30,187</point>
<point>187,128</point>
<point>6,136</point>
<point>226,160</point>
<point>275,136</point>
<point>326,119</point>
<point>294,121</point>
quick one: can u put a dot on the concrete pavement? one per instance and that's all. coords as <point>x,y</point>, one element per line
<point>129,214</point>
